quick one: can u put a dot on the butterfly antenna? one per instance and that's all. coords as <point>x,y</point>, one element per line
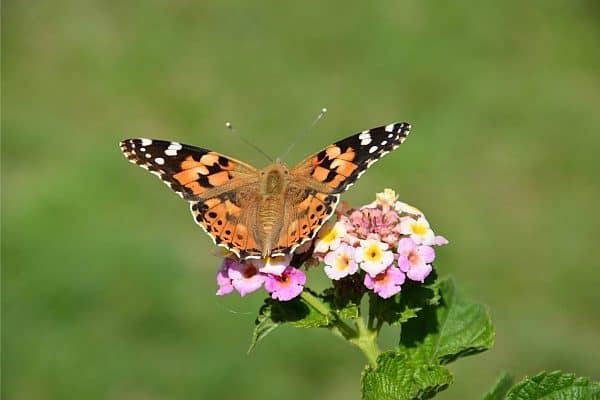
<point>229,126</point>
<point>291,146</point>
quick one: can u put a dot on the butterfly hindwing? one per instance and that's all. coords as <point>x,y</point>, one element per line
<point>227,218</point>
<point>339,165</point>
<point>190,171</point>
<point>303,215</point>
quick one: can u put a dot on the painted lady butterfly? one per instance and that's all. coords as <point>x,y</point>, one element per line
<point>257,213</point>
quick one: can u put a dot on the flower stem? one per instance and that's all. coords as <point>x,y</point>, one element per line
<point>362,337</point>
<point>366,341</point>
<point>315,302</point>
<point>340,326</point>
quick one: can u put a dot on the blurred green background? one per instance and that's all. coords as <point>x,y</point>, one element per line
<point>108,285</point>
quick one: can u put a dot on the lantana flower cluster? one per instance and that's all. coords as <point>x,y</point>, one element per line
<point>386,242</point>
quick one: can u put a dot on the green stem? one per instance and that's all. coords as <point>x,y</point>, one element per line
<point>315,302</point>
<point>366,341</point>
<point>362,337</point>
<point>371,317</point>
<point>344,329</point>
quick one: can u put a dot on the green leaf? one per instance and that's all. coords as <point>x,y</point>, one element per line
<point>404,376</point>
<point>447,326</point>
<point>349,311</point>
<point>455,328</point>
<point>264,325</point>
<point>555,386</point>
<point>392,311</point>
<point>346,308</point>
<point>296,312</point>
<point>498,391</point>
<point>406,305</point>
<point>465,328</point>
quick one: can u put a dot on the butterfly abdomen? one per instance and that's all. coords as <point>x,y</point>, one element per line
<point>273,183</point>
<point>269,212</point>
<point>269,221</point>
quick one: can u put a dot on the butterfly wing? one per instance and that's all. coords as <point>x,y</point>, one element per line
<point>224,193</point>
<point>339,165</point>
<point>229,219</point>
<point>305,211</point>
<point>192,172</point>
<point>322,177</point>
<point>220,189</point>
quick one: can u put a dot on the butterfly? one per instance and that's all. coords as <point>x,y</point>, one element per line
<point>259,213</point>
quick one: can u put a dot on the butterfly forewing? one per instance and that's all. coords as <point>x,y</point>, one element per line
<point>192,172</point>
<point>339,165</point>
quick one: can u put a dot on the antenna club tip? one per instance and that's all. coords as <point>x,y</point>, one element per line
<point>228,124</point>
<point>323,110</point>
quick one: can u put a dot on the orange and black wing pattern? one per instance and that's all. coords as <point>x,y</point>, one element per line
<point>225,194</point>
<point>229,220</point>
<point>192,172</point>
<point>216,186</point>
<point>339,165</point>
<point>303,215</point>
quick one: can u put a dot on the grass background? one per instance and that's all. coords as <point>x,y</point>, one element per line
<point>108,286</point>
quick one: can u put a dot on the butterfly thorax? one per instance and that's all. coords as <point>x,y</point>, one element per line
<point>273,179</point>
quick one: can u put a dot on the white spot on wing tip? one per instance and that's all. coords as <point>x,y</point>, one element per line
<point>173,148</point>
<point>373,149</point>
<point>146,142</point>
<point>404,129</point>
<point>365,138</point>
<point>389,128</point>
<point>159,160</point>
